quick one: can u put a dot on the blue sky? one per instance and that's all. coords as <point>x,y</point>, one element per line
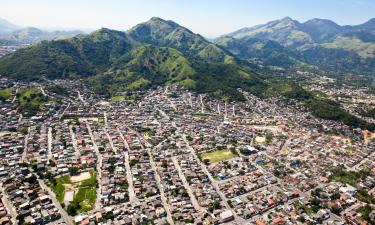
<point>207,17</point>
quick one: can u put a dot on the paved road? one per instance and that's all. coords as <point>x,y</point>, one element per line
<point>160,186</point>
<point>11,210</point>
<point>49,155</point>
<point>67,219</point>
<point>74,141</point>
<point>129,175</point>
<point>24,153</point>
<point>42,90</point>
<point>157,178</point>
<point>62,114</point>
<point>363,161</point>
<point>105,119</point>
<point>194,200</point>
<point>99,165</point>
<point>110,141</point>
<point>212,180</point>
<point>15,96</point>
<point>80,97</point>
<point>205,170</point>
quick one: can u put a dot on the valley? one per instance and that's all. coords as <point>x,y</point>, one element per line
<point>156,124</point>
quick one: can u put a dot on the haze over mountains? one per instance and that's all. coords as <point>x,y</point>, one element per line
<point>11,34</point>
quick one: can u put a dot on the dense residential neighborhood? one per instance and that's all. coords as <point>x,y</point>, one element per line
<point>169,156</point>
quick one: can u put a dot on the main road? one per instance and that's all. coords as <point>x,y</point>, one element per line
<point>67,219</point>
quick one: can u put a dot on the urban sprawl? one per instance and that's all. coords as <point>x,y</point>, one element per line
<point>170,156</point>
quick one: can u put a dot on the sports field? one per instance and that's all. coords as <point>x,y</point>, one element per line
<point>218,155</point>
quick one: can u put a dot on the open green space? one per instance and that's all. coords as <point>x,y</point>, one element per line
<point>58,188</point>
<point>218,155</point>
<point>85,192</point>
<point>118,98</point>
<point>31,99</point>
<point>5,93</point>
<point>84,199</point>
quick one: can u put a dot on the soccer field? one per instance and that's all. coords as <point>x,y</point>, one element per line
<point>218,155</point>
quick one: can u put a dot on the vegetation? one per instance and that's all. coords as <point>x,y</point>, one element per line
<point>331,110</point>
<point>365,212</point>
<point>84,199</point>
<point>288,90</point>
<point>118,98</point>
<point>353,178</point>
<point>368,113</point>
<point>317,103</point>
<point>73,170</point>
<point>5,94</point>
<point>113,63</point>
<point>161,52</point>
<point>290,45</point>
<point>31,100</point>
<point>58,186</point>
<point>58,89</point>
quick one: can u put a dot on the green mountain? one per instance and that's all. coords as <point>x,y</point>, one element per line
<point>286,32</point>
<point>164,33</point>
<point>317,42</point>
<point>83,55</point>
<point>161,52</point>
<point>153,53</point>
<point>265,52</point>
<point>321,30</point>
<point>369,26</point>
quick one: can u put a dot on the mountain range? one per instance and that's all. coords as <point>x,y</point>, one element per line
<point>11,34</point>
<point>317,42</point>
<point>161,52</point>
<point>284,43</point>
<point>152,53</point>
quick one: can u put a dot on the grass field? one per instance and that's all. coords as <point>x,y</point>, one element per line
<point>218,155</point>
<point>5,93</point>
<point>59,188</point>
<point>31,99</point>
<point>86,195</point>
<point>118,98</point>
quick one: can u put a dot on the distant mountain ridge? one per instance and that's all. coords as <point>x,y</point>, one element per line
<point>318,42</point>
<point>11,34</point>
<point>6,26</point>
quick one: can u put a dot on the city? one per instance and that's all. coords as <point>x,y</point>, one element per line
<point>170,156</point>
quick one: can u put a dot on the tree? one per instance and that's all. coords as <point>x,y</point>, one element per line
<point>72,209</point>
<point>73,170</point>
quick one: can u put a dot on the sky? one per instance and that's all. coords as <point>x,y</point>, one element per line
<point>209,18</point>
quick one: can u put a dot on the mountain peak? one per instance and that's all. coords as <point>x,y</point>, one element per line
<point>157,19</point>
<point>284,22</point>
<point>287,18</point>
